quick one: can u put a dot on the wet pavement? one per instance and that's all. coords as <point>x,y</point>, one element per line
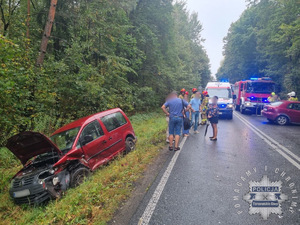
<point>205,183</point>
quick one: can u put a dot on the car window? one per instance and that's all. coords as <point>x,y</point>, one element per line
<point>110,122</point>
<point>296,106</point>
<point>290,106</point>
<point>121,119</point>
<point>92,129</point>
<point>113,121</point>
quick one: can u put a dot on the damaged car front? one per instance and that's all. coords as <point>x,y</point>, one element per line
<point>46,168</point>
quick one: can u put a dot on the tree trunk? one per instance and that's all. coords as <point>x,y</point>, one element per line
<point>47,33</point>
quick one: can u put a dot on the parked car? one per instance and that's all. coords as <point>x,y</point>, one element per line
<point>283,112</point>
<point>51,166</point>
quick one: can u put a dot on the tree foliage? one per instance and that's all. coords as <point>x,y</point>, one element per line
<point>265,41</point>
<point>101,54</point>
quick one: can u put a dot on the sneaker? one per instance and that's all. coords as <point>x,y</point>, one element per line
<point>196,132</point>
<point>167,141</point>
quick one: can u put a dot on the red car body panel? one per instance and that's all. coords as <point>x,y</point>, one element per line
<point>99,151</point>
<point>271,112</point>
<point>29,144</point>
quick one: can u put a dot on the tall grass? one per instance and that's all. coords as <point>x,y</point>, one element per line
<point>96,200</point>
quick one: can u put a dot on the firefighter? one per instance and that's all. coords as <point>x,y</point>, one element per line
<point>194,90</point>
<point>292,96</point>
<point>271,98</point>
<point>204,107</point>
<point>182,93</point>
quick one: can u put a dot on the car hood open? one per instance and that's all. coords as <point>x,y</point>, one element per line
<point>28,144</point>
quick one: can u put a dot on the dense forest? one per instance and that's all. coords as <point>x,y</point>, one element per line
<point>265,41</point>
<point>101,54</point>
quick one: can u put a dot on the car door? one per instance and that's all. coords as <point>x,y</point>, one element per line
<point>94,143</point>
<point>115,132</point>
<point>294,112</point>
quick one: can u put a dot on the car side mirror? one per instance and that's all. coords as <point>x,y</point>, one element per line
<point>234,97</point>
<point>86,139</point>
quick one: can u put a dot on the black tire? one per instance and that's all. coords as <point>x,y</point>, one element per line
<point>282,120</point>
<point>78,176</point>
<point>237,107</point>
<point>229,117</point>
<point>130,144</point>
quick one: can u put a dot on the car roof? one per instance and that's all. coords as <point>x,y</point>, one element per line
<point>82,121</point>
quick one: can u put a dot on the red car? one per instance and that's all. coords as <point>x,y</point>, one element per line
<point>283,112</point>
<point>53,165</point>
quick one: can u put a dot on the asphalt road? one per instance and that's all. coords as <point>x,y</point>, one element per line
<point>205,182</point>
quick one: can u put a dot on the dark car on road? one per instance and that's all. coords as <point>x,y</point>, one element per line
<point>283,112</point>
<point>50,166</point>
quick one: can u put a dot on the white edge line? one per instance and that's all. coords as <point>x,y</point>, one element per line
<point>276,148</point>
<point>145,219</point>
<point>271,139</point>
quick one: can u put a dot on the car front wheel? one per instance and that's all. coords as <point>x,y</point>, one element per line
<point>78,176</point>
<point>282,120</point>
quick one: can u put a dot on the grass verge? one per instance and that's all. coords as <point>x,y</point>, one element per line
<point>96,200</point>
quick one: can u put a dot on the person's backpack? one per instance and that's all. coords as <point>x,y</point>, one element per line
<point>186,121</point>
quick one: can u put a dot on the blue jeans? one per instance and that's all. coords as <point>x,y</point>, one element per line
<point>175,125</point>
<point>195,119</point>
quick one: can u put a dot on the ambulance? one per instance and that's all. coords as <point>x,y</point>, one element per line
<point>224,92</point>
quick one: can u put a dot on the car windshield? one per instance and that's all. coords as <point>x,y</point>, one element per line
<point>64,140</point>
<point>260,87</point>
<point>276,103</point>
<point>220,92</point>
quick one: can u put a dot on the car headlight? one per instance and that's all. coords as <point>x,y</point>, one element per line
<point>41,181</point>
<point>248,104</point>
<point>230,106</point>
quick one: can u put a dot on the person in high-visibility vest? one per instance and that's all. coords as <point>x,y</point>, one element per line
<point>182,93</point>
<point>194,90</point>
<point>271,98</point>
<point>204,107</point>
<point>292,96</point>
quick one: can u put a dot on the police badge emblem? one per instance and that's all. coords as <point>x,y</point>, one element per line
<point>265,197</point>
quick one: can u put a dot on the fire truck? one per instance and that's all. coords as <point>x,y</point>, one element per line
<point>251,95</point>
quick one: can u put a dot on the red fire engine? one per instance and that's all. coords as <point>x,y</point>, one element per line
<point>252,94</point>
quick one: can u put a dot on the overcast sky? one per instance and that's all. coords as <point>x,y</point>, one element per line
<point>216,17</point>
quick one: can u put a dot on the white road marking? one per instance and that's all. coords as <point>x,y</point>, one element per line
<point>271,142</point>
<point>145,219</point>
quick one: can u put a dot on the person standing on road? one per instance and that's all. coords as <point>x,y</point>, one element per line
<point>204,106</point>
<point>175,114</point>
<point>187,114</point>
<point>195,107</point>
<point>292,96</point>
<point>213,116</point>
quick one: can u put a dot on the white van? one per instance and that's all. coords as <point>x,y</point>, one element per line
<point>224,92</point>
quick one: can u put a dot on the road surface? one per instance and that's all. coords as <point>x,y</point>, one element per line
<point>205,182</point>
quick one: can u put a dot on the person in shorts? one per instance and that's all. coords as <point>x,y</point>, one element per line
<point>175,114</point>
<point>213,116</point>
